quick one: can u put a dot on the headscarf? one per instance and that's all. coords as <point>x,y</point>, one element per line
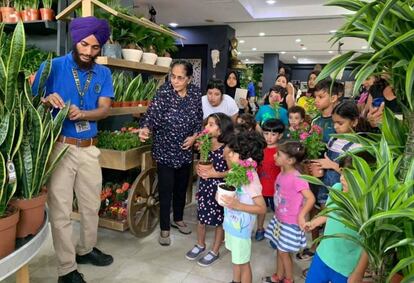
<point>231,90</point>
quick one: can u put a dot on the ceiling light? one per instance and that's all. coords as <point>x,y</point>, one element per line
<point>174,25</point>
<point>241,41</point>
<point>262,34</point>
<point>283,52</point>
<point>330,52</point>
<point>294,57</point>
<point>270,2</point>
<point>332,31</point>
<point>364,47</point>
<point>247,59</point>
<point>254,49</point>
<point>304,48</point>
<point>298,40</point>
<point>239,53</point>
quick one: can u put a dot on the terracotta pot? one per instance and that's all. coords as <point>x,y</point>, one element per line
<point>10,15</point>
<point>205,165</point>
<point>31,214</point>
<point>135,103</point>
<point>34,14</point>
<point>8,231</point>
<point>47,14</point>
<point>315,169</point>
<point>397,278</point>
<point>117,104</point>
<point>126,103</point>
<point>25,15</point>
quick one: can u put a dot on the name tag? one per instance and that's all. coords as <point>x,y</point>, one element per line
<point>82,126</point>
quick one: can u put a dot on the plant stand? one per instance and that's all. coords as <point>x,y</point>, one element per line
<point>17,262</point>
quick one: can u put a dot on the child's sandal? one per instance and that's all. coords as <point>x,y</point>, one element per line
<point>272,279</point>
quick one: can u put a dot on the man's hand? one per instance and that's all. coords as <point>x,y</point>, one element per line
<point>53,100</point>
<point>75,113</point>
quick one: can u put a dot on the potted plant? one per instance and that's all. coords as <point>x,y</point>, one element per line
<point>311,137</point>
<point>164,44</point>
<point>390,51</point>
<point>379,207</point>
<point>46,13</point>
<point>240,174</point>
<point>205,144</point>
<point>9,13</point>
<point>37,132</point>
<point>32,6</point>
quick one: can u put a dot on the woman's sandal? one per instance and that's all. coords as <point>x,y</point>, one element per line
<point>182,229</point>
<point>272,279</point>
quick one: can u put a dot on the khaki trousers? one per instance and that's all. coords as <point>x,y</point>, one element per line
<point>78,171</point>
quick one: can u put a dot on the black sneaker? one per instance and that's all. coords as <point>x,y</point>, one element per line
<point>72,277</point>
<point>95,257</point>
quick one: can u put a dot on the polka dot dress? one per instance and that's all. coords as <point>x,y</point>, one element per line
<point>209,211</point>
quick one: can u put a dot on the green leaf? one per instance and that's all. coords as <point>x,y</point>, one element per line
<point>312,180</point>
<point>337,63</point>
<point>4,127</point>
<point>409,83</point>
<point>397,213</point>
<point>17,48</point>
<point>401,265</point>
<point>379,19</point>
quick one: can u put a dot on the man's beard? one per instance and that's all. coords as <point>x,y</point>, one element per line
<point>82,64</point>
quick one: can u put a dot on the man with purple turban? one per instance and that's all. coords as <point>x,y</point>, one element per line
<point>76,79</point>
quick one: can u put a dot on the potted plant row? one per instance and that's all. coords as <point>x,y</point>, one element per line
<point>132,92</point>
<point>138,43</point>
<point>28,133</point>
<point>27,10</point>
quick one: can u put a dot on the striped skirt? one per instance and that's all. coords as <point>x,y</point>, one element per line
<point>285,237</point>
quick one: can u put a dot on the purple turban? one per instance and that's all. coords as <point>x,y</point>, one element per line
<point>81,28</point>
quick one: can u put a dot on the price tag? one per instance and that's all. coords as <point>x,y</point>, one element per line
<point>11,172</point>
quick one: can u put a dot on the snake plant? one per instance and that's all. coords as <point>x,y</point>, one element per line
<point>27,129</point>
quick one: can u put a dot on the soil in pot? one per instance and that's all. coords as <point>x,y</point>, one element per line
<point>31,215</point>
<point>8,231</point>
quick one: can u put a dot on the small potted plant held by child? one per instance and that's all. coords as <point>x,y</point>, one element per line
<point>204,140</point>
<point>240,174</point>
<point>312,140</point>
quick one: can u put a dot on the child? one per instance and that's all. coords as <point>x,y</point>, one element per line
<point>345,118</point>
<point>277,94</point>
<point>240,212</point>
<point>325,101</point>
<point>219,127</point>
<point>247,120</point>
<point>336,260</point>
<point>293,200</point>
<point>272,132</point>
<point>296,117</point>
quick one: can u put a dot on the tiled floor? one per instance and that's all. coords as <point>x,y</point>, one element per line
<point>144,260</point>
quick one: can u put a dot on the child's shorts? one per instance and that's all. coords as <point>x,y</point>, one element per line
<point>285,237</point>
<point>319,272</point>
<point>240,248</point>
<point>270,203</point>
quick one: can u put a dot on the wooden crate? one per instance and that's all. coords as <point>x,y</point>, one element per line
<point>113,224</point>
<point>122,160</point>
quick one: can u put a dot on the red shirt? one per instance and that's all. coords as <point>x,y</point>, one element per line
<point>268,172</point>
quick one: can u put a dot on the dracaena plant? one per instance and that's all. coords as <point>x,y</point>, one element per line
<point>379,207</point>
<point>388,27</point>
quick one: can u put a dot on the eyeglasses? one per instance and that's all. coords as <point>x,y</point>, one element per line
<point>178,78</point>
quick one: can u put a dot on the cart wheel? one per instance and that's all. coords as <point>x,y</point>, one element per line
<point>144,204</point>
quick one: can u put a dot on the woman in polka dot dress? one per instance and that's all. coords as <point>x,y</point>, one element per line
<point>219,127</point>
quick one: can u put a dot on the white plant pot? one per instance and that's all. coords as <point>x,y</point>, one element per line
<point>149,58</point>
<point>222,192</point>
<point>164,61</point>
<point>132,54</point>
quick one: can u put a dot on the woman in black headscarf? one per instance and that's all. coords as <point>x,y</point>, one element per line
<point>232,81</point>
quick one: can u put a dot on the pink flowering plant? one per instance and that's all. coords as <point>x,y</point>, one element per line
<point>312,140</point>
<point>204,139</point>
<point>241,173</point>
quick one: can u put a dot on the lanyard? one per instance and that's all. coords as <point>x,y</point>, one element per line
<point>78,85</point>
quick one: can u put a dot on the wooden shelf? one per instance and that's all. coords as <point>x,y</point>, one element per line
<point>118,225</point>
<point>36,27</point>
<point>131,65</point>
<point>122,160</point>
<point>116,111</point>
